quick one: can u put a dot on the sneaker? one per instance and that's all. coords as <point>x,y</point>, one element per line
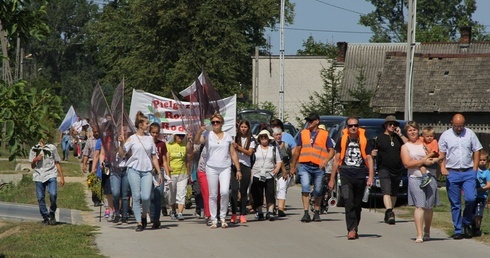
<point>209,222</point>
<point>233,218</point>
<point>198,214</point>
<point>477,232</point>
<point>131,212</point>
<point>270,216</point>
<point>180,216</point>
<point>316,217</point>
<point>164,212</point>
<point>391,218</point>
<point>223,223</point>
<point>306,217</point>
<point>45,221</point>
<point>139,228</point>
<point>111,217</point>
<point>117,220</point>
<point>259,216</point>
<point>281,214</point>
<point>351,235</point>
<point>425,181</point>
<point>156,224</point>
<point>173,215</point>
<point>243,219</point>
<point>214,224</point>
<point>107,213</point>
<point>426,237</point>
<point>144,222</point>
<point>124,221</point>
<point>52,219</point>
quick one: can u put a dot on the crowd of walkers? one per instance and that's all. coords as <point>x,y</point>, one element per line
<point>249,175</point>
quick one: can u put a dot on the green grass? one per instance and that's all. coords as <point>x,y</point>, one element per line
<point>442,218</point>
<point>32,239</point>
<point>70,196</point>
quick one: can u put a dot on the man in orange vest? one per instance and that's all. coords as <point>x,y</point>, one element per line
<point>353,159</point>
<point>314,150</point>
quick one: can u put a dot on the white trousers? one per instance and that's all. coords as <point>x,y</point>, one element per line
<point>178,189</point>
<point>218,179</point>
<point>282,188</point>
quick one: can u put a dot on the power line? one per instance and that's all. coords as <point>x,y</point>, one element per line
<point>335,31</point>
<point>341,8</point>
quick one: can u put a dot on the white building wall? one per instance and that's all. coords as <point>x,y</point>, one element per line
<point>302,77</point>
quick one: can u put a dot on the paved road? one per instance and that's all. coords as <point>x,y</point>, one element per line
<point>281,238</point>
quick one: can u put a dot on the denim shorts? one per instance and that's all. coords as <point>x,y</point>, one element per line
<point>311,174</point>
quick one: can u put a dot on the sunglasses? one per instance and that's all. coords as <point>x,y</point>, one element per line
<point>216,122</point>
<point>353,125</point>
<point>392,124</point>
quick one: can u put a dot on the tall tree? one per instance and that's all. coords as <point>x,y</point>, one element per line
<point>326,102</point>
<point>317,48</point>
<point>64,60</point>
<point>437,20</point>
<point>360,107</point>
<point>158,45</point>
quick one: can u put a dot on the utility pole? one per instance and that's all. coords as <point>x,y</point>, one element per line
<point>412,25</point>
<point>281,65</point>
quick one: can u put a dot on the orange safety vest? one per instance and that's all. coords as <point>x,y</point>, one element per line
<point>315,152</point>
<point>362,141</point>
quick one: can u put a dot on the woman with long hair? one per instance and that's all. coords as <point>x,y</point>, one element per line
<point>244,145</point>
<point>219,154</point>
<point>139,166</point>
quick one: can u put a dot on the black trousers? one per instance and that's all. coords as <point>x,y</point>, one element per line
<point>352,190</point>
<point>241,187</point>
<point>257,190</point>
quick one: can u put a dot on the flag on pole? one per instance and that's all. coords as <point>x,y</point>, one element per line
<point>70,118</point>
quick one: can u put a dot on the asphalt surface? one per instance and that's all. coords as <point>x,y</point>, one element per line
<point>286,237</point>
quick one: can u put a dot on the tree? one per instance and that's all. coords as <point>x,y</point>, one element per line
<point>160,45</point>
<point>326,102</point>
<point>361,106</point>
<point>437,20</point>
<point>65,57</point>
<point>27,115</point>
<point>313,48</point>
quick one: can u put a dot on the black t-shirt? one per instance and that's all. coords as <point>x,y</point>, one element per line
<point>388,152</point>
<point>353,165</point>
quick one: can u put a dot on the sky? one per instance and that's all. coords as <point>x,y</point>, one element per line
<point>337,20</point>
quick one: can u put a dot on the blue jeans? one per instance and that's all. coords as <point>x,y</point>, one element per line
<point>52,187</point>
<point>156,200</point>
<point>307,175</point>
<point>65,145</point>
<point>141,186</point>
<point>120,190</point>
<point>455,182</point>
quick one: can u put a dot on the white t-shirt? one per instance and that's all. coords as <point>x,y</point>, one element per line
<point>141,147</point>
<point>242,157</point>
<point>218,150</point>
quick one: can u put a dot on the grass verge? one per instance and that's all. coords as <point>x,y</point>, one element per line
<point>32,239</point>
<point>70,196</point>
<point>442,217</point>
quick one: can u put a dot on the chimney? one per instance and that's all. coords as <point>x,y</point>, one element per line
<point>341,52</point>
<point>465,35</point>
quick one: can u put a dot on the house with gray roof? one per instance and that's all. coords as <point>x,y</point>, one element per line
<point>447,78</point>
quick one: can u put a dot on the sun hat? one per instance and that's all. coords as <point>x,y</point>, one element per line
<point>390,118</point>
<point>266,132</point>
<point>322,127</point>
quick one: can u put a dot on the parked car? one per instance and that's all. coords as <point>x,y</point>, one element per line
<point>255,116</point>
<point>373,127</point>
<point>288,128</point>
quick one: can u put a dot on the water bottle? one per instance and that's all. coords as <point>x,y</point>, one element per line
<point>365,197</point>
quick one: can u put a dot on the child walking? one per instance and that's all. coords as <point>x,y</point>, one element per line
<point>482,186</point>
